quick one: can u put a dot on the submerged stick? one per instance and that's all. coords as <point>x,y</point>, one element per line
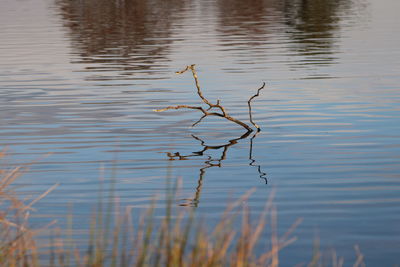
<point>218,105</point>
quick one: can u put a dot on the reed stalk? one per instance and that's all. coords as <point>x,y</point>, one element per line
<point>180,238</point>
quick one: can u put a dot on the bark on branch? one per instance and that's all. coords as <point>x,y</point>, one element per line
<point>206,112</point>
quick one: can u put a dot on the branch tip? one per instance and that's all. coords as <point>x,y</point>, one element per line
<point>249,104</point>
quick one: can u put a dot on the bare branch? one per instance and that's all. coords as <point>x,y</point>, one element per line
<point>244,125</point>
<point>179,107</point>
<point>199,92</point>
<point>223,114</point>
<point>196,80</point>
<point>249,104</point>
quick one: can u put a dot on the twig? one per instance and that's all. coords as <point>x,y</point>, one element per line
<point>249,104</point>
<point>218,105</point>
<point>191,67</point>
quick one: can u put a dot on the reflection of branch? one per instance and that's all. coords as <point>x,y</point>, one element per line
<point>218,105</point>
<point>194,202</point>
<point>225,146</point>
<point>178,156</point>
<point>213,162</point>
<point>210,162</point>
<point>252,161</point>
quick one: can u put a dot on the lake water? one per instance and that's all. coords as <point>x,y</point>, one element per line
<point>79,81</point>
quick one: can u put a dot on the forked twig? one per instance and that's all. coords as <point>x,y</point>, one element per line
<point>218,105</point>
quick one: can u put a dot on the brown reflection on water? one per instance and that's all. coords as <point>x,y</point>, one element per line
<point>128,35</point>
<point>314,25</point>
<point>307,27</point>
<point>243,18</point>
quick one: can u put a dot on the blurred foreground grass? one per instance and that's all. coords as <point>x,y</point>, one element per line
<point>180,238</point>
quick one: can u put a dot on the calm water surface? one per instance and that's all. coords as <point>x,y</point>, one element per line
<point>79,80</point>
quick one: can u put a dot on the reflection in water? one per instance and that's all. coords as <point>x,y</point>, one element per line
<point>262,174</point>
<point>240,18</point>
<point>123,35</point>
<point>314,25</point>
<point>131,35</point>
<point>214,162</point>
<point>311,25</point>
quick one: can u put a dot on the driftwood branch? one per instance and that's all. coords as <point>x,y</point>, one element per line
<point>206,112</point>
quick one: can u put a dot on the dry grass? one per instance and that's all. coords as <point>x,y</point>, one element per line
<point>179,239</point>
